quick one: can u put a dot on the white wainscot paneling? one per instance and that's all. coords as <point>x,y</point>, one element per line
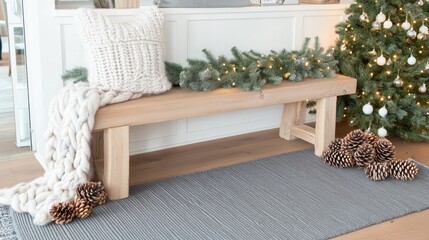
<point>258,118</point>
<point>312,28</point>
<point>171,41</point>
<point>260,34</point>
<point>72,49</point>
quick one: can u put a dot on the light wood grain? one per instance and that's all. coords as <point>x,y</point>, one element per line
<point>290,117</point>
<point>304,132</point>
<point>181,104</point>
<point>171,162</point>
<point>325,123</point>
<point>127,3</point>
<point>116,162</point>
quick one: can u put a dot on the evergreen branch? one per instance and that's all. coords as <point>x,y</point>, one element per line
<point>77,74</point>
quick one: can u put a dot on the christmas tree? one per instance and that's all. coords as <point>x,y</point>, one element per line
<point>384,44</point>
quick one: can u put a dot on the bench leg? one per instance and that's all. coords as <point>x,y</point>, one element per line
<point>325,123</point>
<point>116,162</point>
<point>293,114</point>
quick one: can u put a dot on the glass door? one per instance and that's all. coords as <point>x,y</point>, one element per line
<point>18,72</point>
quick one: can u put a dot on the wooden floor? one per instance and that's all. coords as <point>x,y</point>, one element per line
<point>207,155</point>
<point>8,148</point>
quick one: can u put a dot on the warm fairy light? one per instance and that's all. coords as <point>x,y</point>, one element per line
<point>243,68</point>
<point>395,56</point>
<point>306,100</point>
<point>234,69</point>
<point>218,79</point>
<point>363,93</point>
<point>414,21</point>
<point>378,93</point>
<point>382,99</point>
<point>344,115</point>
<point>259,65</point>
<point>410,86</point>
<point>223,64</point>
<point>421,71</point>
<point>388,72</point>
<point>306,63</point>
<point>388,97</point>
<point>226,72</point>
<point>370,65</point>
<point>318,60</point>
<point>271,66</point>
<point>372,74</point>
<point>418,103</point>
<point>233,84</point>
<point>328,68</point>
<point>351,121</point>
<point>281,68</point>
<point>345,108</point>
<point>363,45</point>
<point>400,8</point>
<point>360,6</point>
<point>420,51</point>
<point>351,52</point>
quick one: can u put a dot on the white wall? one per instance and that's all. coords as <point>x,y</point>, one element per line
<point>55,47</point>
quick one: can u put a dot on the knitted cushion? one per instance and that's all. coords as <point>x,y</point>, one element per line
<point>126,57</point>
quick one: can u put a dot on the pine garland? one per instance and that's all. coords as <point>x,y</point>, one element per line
<point>248,71</point>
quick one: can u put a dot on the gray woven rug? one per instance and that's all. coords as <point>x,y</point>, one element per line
<point>290,196</point>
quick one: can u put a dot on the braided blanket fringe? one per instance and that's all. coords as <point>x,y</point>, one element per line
<point>72,115</point>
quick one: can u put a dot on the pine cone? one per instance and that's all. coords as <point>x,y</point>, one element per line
<point>370,138</point>
<point>335,144</point>
<point>377,171</point>
<point>364,155</point>
<point>82,208</point>
<point>340,158</point>
<point>93,192</point>
<point>353,140</point>
<point>404,169</point>
<point>384,150</point>
<point>62,212</point>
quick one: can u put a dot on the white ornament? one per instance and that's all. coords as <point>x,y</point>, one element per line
<point>411,60</point>
<point>420,3</point>
<point>406,25</point>
<point>382,111</point>
<point>343,47</point>
<point>381,60</point>
<point>382,132</point>
<point>424,29</point>
<point>427,66</point>
<point>387,24</point>
<point>363,17</point>
<point>421,36</point>
<point>376,25</point>
<point>411,33</point>
<point>422,88</point>
<point>380,17</point>
<point>367,109</point>
<point>373,52</point>
<point>389,62</point>
<point>398,82</point>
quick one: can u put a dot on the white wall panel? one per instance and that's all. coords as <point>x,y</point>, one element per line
<point>220,35</point>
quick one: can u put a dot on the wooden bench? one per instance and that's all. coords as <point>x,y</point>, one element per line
<point>112,122</point>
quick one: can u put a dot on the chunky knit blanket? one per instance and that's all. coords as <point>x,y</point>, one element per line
<point>68,136</point>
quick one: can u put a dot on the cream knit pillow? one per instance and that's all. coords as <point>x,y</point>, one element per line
<point>126,57</point>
